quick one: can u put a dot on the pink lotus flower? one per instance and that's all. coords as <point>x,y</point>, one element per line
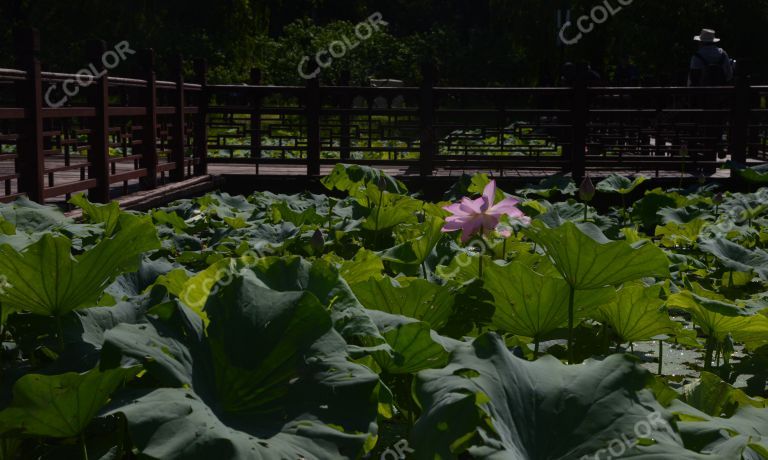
<point>481,216</point>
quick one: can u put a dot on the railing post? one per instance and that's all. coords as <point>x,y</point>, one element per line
<point>149,140</point>
<point>255,101</point>
<point>579,115</point>
<point>30,157</point>
<point>313,126</point>
<point>98,152</point>
<point>428,144</point>
<point>201,120</point>
<point>740,114</point>
<point>345,140</point>
<point>178,134</point>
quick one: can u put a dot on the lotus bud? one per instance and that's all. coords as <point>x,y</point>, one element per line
<point>381,183</point>
<point>702,179</point>
<point>318,241</point>
<point>587,189</point>
<point>684,149</point>
<point>718,198</point>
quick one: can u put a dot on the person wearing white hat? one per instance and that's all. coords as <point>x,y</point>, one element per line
<point>711,65</point>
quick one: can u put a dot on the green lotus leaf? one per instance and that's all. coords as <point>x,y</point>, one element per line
<point>674,235</point>
<point>533,305</point>
<point>413,346</point>
<point>737,257</point>
<point>30,217</point>
<point>636,314</point>
<point>619,184</point>
<point>362,267</point>
<point>45,278</point>
<point>551,186</point>
<point>270,380</point>
<point>350,178</point>
<point>742,436</point>
<point>415,252</point>
<point>490,404</point>
<point>60,406</point>
<point>418,299</point>
<point>717,398</point>
<point>107,214</point>
<point>754,175</point>
<point>587,263</point>
<point>718,317</point>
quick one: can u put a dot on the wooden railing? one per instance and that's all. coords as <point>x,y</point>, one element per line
<point>102,137</point>
<point>122,134</point>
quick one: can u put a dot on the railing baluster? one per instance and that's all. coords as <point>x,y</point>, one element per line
<point>255,101</point>
<point>313,103</point>
<point>740,114</point>
<point>428,147</point>
<point>149,138</point>
<point>201,120</point>
<point>579,116</point>
<point>178,150</point>
<point>30,155</point>
<point>98,150</point>
<point>344,120</point>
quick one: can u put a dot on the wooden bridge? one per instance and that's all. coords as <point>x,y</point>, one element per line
<point>120,135</point>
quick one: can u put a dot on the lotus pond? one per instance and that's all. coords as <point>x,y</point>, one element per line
<point>367,323</point>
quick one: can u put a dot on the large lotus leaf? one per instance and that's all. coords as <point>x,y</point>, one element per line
<point>386,210</point>
<point>297,213</point>
<point>558,213</point>
<point>719,318</point>
<point>350,178</point>
<point>416,251</point>
<point>755,175</point>
<point>225,205</point>
<point>135,283</point>
<point>646,210</point>
<point>737,257</point>
<point>171,220</point>
<point>743,436</point>
<point>261,236</point>
<point>533,305</point>
<point>587,263</point>
<point>276,382</point>
<point>619,184</point>
<point>31,217</point>
<point>637,315</point>
<point>717,398</point>
<point>46,280</point>
<point>107,214</point>
<point>362,267</point>
<point>167,354</point>
<point>294,274</point>
<point>418,299</point>
<point>289,274</point>
<point>684,215</point>
<point>83,331</point>
<point>413,346</point>
<point>550,186</point>
<point>674,235</point>
<point>60,406</point>
<point>491,404</point>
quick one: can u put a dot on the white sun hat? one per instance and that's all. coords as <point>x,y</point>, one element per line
<point>707,36</point>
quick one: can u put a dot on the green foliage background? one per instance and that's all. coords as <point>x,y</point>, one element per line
<point>475,41</point>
